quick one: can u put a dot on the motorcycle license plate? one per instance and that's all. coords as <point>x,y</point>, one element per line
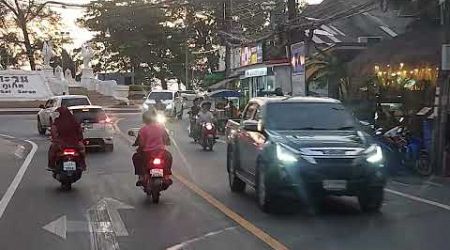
<point>156,172</point>
<point>334,185</point>
<point>210,136</point>
<point>69,166</point>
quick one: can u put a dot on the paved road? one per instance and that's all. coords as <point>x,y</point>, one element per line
<point>198,211</point>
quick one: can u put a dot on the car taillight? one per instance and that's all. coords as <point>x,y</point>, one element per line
<point>69,151</point>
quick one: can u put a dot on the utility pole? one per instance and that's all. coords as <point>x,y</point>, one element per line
<point>227,23</point>
<point>440,154</point>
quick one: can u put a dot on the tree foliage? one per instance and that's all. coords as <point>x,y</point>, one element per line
<point>23,27</point>
<point>151,40</point>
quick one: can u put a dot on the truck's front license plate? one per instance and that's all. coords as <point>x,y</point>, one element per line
<point>334,185</point>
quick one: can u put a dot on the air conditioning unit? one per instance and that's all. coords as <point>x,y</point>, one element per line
<point>446,57</point>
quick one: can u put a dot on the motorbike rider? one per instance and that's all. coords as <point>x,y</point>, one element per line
<point>152,139</point>
<point>159,106</point>
<point>65,132</point>
<point>205,115</point>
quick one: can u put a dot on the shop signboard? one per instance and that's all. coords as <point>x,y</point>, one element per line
<point>298,69</point>
<point>23,85</point>
<point>256,72</point>
<point>251,55</point>
<point>298,58</point>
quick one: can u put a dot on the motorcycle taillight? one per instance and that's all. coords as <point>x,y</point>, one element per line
<point>157,162</point>
<point>70,151</point>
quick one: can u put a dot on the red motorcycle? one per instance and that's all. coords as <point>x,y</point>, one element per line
<point>156,178</point>
<point>208,136</point>
<point>68,168</point>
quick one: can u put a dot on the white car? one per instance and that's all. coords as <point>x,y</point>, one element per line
<point>46,115</point>
<point>172,100</point>
<point>98,131</point>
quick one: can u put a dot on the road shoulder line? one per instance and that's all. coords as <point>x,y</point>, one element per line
<point>416,198</point>
<point>17,179</point>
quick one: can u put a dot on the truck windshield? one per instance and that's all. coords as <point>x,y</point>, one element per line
<point>308,116</point>
<point>160,96</point>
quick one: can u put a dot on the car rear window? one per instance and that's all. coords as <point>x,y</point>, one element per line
<point>89,115</point>
<point>70,102</point>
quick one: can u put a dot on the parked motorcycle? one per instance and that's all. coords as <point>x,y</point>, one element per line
<point>403,149</point>
<point>208,136</point>
<point>68,168</point>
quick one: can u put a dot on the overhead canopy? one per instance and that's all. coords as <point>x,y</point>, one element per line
<point>222,84</point>
<point>224,93</point>
<point>418,48</point>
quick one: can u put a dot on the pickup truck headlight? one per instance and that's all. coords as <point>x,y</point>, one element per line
<point>145,106</point>
<point>374,154</point>
<point>284,155</point>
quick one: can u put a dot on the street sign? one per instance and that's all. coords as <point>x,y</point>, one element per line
<point>103,224</point>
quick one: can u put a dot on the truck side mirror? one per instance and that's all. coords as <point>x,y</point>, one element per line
<point>131,133</point>
<point>42,106</point>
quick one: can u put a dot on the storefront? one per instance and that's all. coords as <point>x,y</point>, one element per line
<point>264,79</point>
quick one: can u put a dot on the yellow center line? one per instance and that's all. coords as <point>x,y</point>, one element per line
<point>256,231</point>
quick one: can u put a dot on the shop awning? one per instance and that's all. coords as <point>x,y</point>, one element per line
<point>415,49</point>
<point>222,84</point>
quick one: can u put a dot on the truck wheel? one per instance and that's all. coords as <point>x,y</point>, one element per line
<point>41,129</point>
<point>236,184</point>
<point>266,200</point>
<point>371,200</point>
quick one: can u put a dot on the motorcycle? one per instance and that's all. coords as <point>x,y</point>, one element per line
<point>402,149</point>
<point>68,169</point>
<point>193,133</point>
<point>208,136</point>
<point>155,181</point>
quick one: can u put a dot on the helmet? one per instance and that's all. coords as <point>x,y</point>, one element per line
<point>148,115</point>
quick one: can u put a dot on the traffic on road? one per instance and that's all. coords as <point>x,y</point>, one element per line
<point>227,124</point>
<point>305,169</point>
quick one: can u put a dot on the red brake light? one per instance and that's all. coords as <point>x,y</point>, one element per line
<point>69,151</point>
<point>157,161</point>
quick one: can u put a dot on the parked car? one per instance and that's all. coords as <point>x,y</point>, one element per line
<point>303,148</point>
<point>172,100</point>
<point>46,114</point>
<point>98,131</point>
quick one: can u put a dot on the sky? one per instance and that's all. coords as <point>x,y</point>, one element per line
<point>81,35</point>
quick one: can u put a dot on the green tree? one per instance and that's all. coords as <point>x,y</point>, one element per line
<point>329,70</point>
<point>25,23</point>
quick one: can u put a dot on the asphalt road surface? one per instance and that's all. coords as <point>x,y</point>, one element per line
<point>105,210</point>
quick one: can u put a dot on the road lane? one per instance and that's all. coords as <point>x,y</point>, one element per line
<point>180,217</point>
<point>403,223</point>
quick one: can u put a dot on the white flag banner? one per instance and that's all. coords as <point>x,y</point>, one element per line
<point>18,85</point>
